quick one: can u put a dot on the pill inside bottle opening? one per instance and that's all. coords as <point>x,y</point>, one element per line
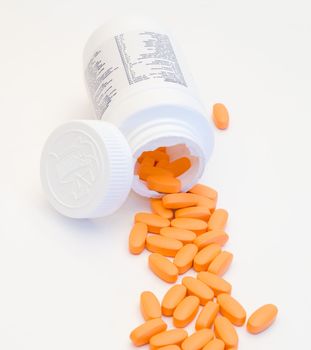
<point>166,169</point>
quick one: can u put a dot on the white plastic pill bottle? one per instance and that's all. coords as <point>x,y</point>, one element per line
<point>138,82</point>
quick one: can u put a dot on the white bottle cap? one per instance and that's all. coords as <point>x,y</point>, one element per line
<point>86,169</point>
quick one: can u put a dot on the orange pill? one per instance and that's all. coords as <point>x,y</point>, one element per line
<point>169,347</point>
<point>179,166</point>
<point>184,257</point>
<point>162,163</point>
<point>205,256</point>
<point>157,155</point>
<point>144,171</point>
<point>232,309</point>
<point>163,245</point>
<point>163,183</point>
<point>215,344</point>
<point>184,236</point>
<point>153,221</point>
<point>207,315</point>
<point>163,267</point>
<point>221,263</point>
<point>218,284</point>
<point>199,289</point>
<point>170,337</point>
<point>143,333</point>
<point>262,318</point>
<point>137,238</point>
<point>220,116</point>
<point>196,225</point>
<point>186,311</point>
<point>203,201</point>
<point>197,340</point>
<point>148,161</point>
<point>218,220</point>
<point>179,200</point>
<point>198,212</point>
<point>149,306</point>
<point>158,208</point>
<point>205,191</point>
<point>219,237</point>
<point>172,298</point>
<point>225,331</point>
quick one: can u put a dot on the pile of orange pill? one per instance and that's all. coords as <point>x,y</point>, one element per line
<point>159,173</point>
<point>186,231</point>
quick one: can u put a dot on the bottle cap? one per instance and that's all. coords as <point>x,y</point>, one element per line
<point>86,169</point>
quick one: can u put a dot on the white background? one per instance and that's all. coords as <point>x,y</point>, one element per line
<point>68,284</point>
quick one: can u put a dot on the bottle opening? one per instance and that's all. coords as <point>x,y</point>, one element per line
<point>179,165</point>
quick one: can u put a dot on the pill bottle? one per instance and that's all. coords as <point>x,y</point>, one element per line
<point>144,98</point>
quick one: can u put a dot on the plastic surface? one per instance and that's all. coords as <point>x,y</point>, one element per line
<point>86,169</point>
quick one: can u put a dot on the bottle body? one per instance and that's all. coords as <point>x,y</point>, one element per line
<point>137,79</point>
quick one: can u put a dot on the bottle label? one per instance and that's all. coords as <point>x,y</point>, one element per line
<point>131,59</point>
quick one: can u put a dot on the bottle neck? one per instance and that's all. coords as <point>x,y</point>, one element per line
<point>180,139</point>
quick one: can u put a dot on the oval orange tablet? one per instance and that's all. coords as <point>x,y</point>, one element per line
<point>199,289</point>
<point>149,306</point>
<point>218,284</point>
<point>186,311</point>
<point>232,309</point>
<point>198,212</point>
<point>220,116</point>
<point>197,340</point>
<point>144,171</point>
<point>163,183</point>
<point>203,201</point>
<point>205,256</point>
<point>158,208</point>
<point>204,190</point>
<point>179,166</point>
<point>225,331</point>
<point>169,347</point>
<point>184,257</point>
<point>172,298</point>
<point>163,245</point>
<point>221,263</point>
<point>196,225</point>
<point>215,344</point>
<point>148,161</point>
<point>218,220</point>
<point>143,333</point>
<point>137,238</point>
<point>179,200</point>
<point>207,316</point>
<point>163,267</point>
<point>170,337</point>
<point>184,236</point>
<point>262,318</point>
<point>219,237</point>
<point>162,163</point>
<point>156,155</point>
<point>153,221</point>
